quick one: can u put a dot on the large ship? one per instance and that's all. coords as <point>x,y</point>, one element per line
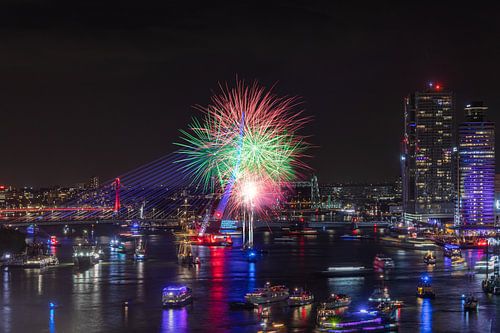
<point>33,257</point>
<point>268,294</point>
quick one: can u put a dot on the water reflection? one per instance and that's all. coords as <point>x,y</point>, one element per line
<point>52,323</point>
<point>174,320</point>
<point>425,308</point>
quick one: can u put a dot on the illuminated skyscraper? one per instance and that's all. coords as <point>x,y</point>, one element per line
<point>427,155</point>
<point>477,167</point>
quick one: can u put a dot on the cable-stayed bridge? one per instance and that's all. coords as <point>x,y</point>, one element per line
<point>154,191</point>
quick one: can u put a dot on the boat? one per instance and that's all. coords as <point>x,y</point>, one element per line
<point>481,265</point>
<point>268,294</point>
<point>251,255</point>
<point>379,295</point>
<point>300,297</point>
<point>52,241</point>
<point>361,321</point>
<point>33,257</point>
<point>470,303</point>
<point>140,249</point>
<point>424,288</point>
<point>345,271</point>
<point>429,258</point>
<point>452,250</point>
<point>402,241</point>
<point>382,261</point>
<point>114,243</point>
<point>85,254</point>
<point>491,285</point>
<point>211,240</point>
<point>285,239</point>
<point>354,237</point>
<point>302,231</point>
<point>174,296</point>
<point>335,301</point>
<point>458,261</point>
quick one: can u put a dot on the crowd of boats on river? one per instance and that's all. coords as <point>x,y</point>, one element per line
<point>333,313</point>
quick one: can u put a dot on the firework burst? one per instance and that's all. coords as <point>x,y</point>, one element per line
<point>247,134</point>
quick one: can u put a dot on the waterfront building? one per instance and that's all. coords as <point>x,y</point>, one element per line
<point>427,159</point>
<point>476,138</point>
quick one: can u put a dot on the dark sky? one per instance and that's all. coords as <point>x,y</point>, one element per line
<point>102,88</point>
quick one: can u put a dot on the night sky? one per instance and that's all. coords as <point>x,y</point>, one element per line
<point>94,89</point>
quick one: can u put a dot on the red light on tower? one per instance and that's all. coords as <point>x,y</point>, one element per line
<point>438,87</point>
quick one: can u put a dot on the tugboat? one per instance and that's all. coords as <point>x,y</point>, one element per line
<point>382,262</point>
<point>268,294</point>
<point>300,297</point>
<point>424,288</point>
<point>470,303</point>
<point>173,296</point>
<point>429,258</point>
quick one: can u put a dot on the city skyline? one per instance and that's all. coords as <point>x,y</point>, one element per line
<point>83,90</point>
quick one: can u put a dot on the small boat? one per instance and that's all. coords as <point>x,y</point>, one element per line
<point>351,237</point>
<point>481,265</point>
<point>379,295</point>
<point>424,288</point>
<point>299,297</point>
<point>382,261</point>
<point>52,241</point>
<point>491,285</point>
<point>285,239</point>
<point>114,243</point>
<point>303,231</point>
<point>452,250</point>
<point>335,301</point>
<point>471,303</point>
<point>429,258</point>
<point>140,250</point>
<point>457,261</point>
<point>173,296</point>
<point>268,294</point>
<point>345,271</point>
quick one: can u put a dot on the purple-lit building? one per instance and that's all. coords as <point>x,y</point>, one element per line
<point>476,200</point>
